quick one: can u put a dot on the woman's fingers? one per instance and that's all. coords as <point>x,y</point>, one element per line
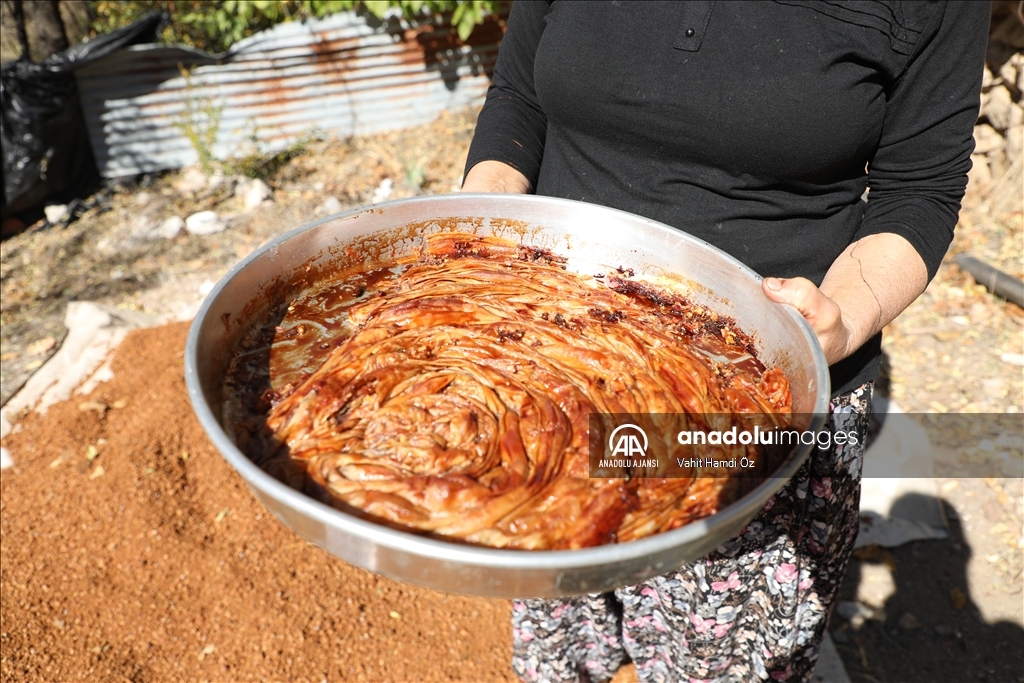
<point>820,312</point>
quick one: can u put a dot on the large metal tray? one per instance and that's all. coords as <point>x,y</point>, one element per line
<point>595,239</point>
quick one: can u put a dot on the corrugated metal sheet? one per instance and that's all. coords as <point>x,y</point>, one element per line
<point>337,75</point>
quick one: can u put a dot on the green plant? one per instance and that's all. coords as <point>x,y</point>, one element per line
<point>215,26</point>
<point>415,173</point>
<point>199,122</point>
<point>257,162</point>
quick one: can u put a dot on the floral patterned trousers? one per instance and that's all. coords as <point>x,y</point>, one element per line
<point>754,609</point>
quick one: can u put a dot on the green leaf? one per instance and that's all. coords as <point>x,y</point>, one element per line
<point>377,7</point>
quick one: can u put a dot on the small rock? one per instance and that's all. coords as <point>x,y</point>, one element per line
<point>5,459</point>
<point>383,191</point>
<point>142,226</point>
<point>204,223</point>
<point>330,206</point>
<point>993,511</point>
<point>170,228</point>
<point>908,622</point>
<point>41,346</point>
<point>994,388</point>
<point>978,313</point>
<point>256,193</point>
<point>55,213</point>
<point>1014,142</point>
<point>986,139</point>
<point>997,107</point>
<point>215,180</point>
<point>192,180</point>
<point>1012,73</point>
<point>142,198</point>
<point>980,175</point>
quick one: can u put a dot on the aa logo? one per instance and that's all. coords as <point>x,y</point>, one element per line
<point>625,440</point>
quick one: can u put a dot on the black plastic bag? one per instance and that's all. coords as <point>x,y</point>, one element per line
<point>46,153</point>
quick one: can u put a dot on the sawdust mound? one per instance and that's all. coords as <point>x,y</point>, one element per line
<point>151,561</point>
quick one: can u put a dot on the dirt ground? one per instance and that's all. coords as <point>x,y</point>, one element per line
<point>144,563</point>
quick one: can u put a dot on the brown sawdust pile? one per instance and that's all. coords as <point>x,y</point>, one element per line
<point>164,567</point>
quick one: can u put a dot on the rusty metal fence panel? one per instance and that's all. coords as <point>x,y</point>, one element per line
<point>339,75</point>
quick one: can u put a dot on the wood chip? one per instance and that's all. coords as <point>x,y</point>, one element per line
<point>221,515</point>
<point>41,346</point>
<point>208,650</point>
<point>91,453</point>
<point>92,405</point>
<point>957,598</point>
<point>394,615</point>
<point>120,403</point>
<point>97,472</point>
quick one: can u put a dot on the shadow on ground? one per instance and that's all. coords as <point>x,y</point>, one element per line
<point>946,638</point>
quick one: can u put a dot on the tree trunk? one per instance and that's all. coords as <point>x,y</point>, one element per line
<point>49,28</point>
<point>18,9</point>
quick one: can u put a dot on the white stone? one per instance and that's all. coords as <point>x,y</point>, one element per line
<point>1014,143</point>
<point>1016,115</point>
<point>170,228</point>
<point>256,193</point>
<point>55,213</point>
<point>330,206</point>
<point>383,191</point>
<point>192,180</point>
<point>980,176</point>
<point>142,226</point>
<point>986,79</point>
<point>1011,73</point>
<point>204,223</point>
<point>5,459</point>
<point>997,107</point>
<point>986,139</point>
<point>994,387</point>
<point>215,180</point>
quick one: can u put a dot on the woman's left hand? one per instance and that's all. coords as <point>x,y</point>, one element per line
<point>822,313</point>
<point>870,283</point>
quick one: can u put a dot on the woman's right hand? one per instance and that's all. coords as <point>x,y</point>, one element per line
<point>495,176</point>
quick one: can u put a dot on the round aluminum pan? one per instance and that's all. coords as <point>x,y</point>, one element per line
<point>595,239</point>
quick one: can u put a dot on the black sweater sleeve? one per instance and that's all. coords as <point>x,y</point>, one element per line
<point>919,172</point>
<point>512,125</point>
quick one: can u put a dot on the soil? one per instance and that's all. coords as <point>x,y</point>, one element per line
<point>153,562</point>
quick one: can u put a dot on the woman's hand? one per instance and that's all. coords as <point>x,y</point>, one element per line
<point>495,176</point>
<point>870,284</point>
<point>822,313</point>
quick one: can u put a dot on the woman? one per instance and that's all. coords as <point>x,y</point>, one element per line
<point>757,127</point>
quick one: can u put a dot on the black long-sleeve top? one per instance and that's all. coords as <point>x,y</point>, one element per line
<point>755,126</point>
